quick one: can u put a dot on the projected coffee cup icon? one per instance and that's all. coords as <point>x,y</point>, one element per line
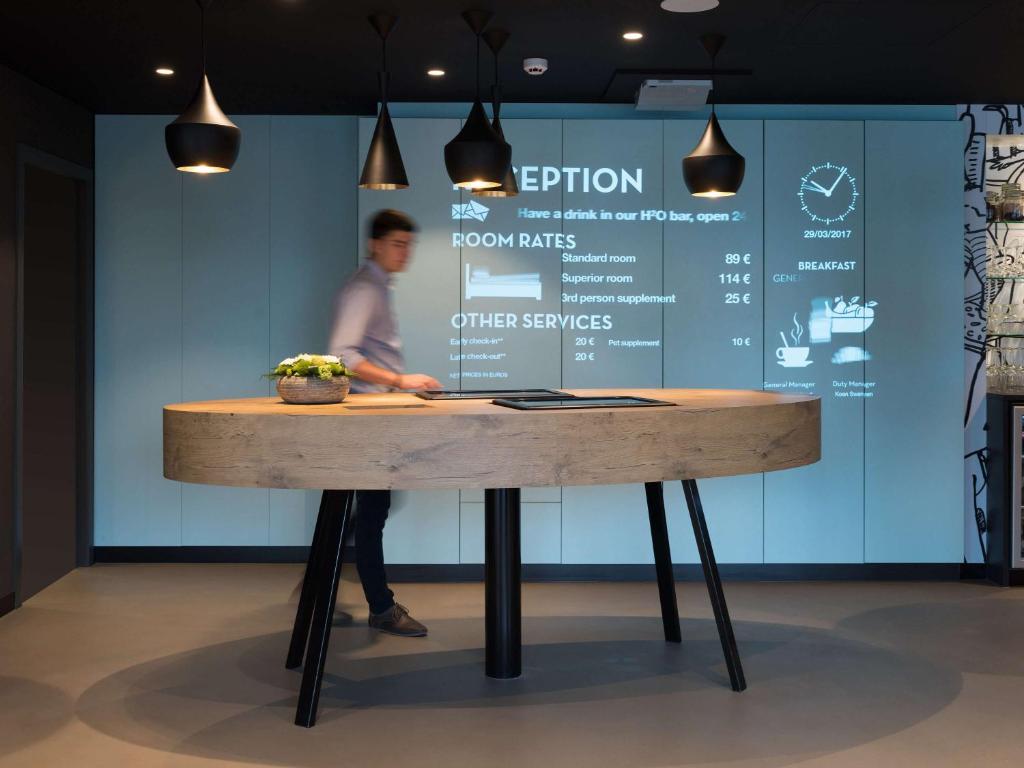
<point>793,355</point>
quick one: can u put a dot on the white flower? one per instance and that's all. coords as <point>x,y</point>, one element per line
<point>288,361</point>
<point>306,356</point>
<point>332,359</point>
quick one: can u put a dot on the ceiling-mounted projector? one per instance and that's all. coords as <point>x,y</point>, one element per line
<point>669,95</point>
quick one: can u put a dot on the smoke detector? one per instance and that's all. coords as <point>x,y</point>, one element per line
<point>668,95</point>
<point>535,66</point>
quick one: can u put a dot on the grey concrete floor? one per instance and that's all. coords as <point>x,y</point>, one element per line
<point>183,666</point>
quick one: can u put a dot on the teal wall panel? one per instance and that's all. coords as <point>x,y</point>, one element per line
<point>201,283</point>
<point>313,248</point>
<point>226,320</point>
<point>426,293</point>
<point>699,353</point>
<point>531,360</point>
<point>471,532</point>
<point>609,525</point>
<point>423,526</point>
<point>734,507</point>
<point>913,450</point>
<point>552,494</point>
<point>605,524</point>
<point>138,331</point>
<point>540,534</point>
<point>813,514</point>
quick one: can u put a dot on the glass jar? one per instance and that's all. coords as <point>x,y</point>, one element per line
<point>993,206</point>
<point>1013,204</point>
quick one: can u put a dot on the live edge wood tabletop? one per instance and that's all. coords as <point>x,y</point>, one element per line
<point>400,441</point>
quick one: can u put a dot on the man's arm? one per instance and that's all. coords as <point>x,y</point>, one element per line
<point>352,313</point>
<point>353,309</point>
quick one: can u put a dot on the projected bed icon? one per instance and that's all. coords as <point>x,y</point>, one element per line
<point>481,283</point>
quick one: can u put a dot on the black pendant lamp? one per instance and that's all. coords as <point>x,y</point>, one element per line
<point>496,39</point>
<point>714,168</point>
<point>203,139</point>
<point>477,158</point>
<point>383,168</point>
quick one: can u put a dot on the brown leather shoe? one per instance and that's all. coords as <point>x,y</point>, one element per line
<point>397,621</point>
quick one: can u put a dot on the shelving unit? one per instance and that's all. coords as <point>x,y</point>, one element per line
<point>1004,367</point>
<point>1004,343</point>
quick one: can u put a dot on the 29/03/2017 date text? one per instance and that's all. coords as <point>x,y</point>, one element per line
<point>828,234</point>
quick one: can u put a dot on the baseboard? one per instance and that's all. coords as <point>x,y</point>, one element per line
<point>6,604</point>
<point>556,571</point>
<point>691,572</point>
<point>200,554</point>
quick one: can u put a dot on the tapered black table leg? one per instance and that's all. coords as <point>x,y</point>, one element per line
<point>328,573</point>
<point>707,561</point>
<point>502,583</point>
<point>663,562</point>
<point>304,613</point>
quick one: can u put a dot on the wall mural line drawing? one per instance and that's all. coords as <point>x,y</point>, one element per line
<point>981,173</point>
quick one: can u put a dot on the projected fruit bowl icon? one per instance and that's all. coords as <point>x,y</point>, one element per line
<point>793,355</point>
<point>850,317</point>
<point>840,316</point>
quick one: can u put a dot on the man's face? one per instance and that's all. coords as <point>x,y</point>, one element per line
<point>393,250</point>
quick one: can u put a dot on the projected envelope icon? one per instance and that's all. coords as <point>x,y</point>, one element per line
<point>471,210</point>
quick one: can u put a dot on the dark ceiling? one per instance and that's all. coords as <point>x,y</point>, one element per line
<point>319,56</point>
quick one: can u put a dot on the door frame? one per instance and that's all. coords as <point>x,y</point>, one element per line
<point>30,156</point>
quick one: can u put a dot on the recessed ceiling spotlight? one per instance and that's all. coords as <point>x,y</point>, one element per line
<point>632,35</point>
<point>436,72</point>
<point>688,6</point>
<point>165,71</point>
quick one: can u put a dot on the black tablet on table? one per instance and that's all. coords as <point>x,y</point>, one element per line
<point>551,404</point>
<point>490,394</point>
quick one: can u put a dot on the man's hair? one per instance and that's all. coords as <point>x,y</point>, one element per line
<point>389,220</point>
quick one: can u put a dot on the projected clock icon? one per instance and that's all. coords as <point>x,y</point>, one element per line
<point>828,193</point>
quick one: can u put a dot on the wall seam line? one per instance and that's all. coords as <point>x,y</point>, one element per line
<point>181,335</point>
<point>864,345</point>
<point>270,268</point>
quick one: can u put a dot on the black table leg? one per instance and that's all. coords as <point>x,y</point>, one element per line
<point>707,561</point>
<point>663,562</point>
<point>304,613</point>
<point>328,572</point>
<point>502,583</point>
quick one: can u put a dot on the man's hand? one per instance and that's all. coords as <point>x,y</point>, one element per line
<point>417,381</point>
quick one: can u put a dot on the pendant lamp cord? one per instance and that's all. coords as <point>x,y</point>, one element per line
<point>497,86</point>
<point>384,70</point>
<point>478,66</point>
<point>712,84</point>
<point>202,30</point>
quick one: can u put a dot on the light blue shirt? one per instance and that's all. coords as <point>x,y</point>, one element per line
<point>364,325</point>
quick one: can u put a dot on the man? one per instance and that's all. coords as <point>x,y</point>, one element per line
<point>364,335</point>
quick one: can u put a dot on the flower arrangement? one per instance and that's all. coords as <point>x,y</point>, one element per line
<point>312,379</point>
<point>323,367</point>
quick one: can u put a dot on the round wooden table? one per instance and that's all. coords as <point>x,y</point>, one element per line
<point>400,441</point>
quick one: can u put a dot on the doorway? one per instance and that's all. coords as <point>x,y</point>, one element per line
<point>53,467</point>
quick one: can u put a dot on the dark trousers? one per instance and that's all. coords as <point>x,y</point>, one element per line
<point>371,514</point>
